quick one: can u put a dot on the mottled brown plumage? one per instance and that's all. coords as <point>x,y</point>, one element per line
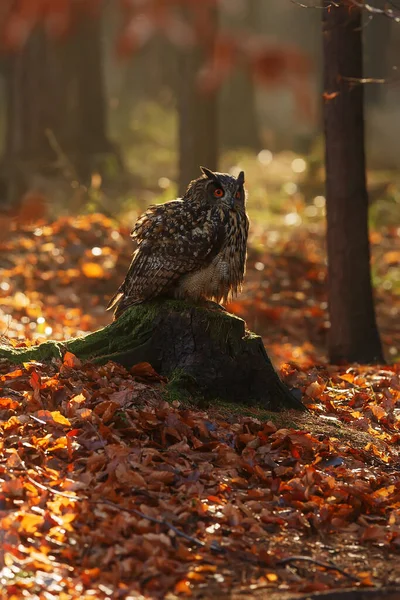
<point>193,248</point>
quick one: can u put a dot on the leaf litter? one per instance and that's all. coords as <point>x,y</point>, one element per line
<point>107,490</point>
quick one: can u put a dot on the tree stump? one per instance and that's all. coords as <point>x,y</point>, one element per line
<point>205,350</point>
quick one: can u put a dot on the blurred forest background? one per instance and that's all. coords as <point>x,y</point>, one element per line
<point>108,106</point>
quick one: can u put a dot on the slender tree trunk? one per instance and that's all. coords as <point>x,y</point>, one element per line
<point>238,96</point>
<point>91,114</point>
<point>56,108</point>
<point>33,98</point>
<point>353,333</point>
<point>35,107</point>
<point>198,113</point>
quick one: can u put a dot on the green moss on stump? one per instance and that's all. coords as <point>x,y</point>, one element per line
<point>211,350</point>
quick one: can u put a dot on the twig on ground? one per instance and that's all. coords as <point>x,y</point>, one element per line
<point>178,532</point>
<point>309,559</point>
<point>52,491</point>
<point>132,511</point>
<point>138,513</point>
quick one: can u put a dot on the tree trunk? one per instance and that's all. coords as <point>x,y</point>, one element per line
<point>56,108</point>
<point>208,352</point>
<point>36,105</point>
<point>92,143</point>
<point>197,112</point>
<point>238,96</point>
<point>353,334</point>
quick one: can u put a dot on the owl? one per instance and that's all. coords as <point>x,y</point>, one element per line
<point>193,248</point>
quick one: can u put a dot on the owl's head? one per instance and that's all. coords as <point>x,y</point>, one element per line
<point>219,188</point>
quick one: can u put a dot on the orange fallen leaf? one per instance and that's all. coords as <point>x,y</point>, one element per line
<point>183,587</point>
<point>144,371</point>
<point>29,522</point>
<point>378,412</point>
<point>70,360</point>
<point>161,476</point>
<point>12,375</point>
<point>59,418</point>
<point>315,389</point>
<point>8,403</point>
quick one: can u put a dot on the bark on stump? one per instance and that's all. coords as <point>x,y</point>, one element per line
<point>207,351</point>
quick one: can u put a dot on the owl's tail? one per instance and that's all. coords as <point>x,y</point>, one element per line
<point>114,300</point>
<point>120,303</point>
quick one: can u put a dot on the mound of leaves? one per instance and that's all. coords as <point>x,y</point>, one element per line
<point>107,490</point>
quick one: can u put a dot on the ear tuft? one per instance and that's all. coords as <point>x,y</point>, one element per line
<point>240,178</point>
<point>208,173</point>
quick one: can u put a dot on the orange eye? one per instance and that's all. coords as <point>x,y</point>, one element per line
<point>238,195</point>
<point>218,193</point>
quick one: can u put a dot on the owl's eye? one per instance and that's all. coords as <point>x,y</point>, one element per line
<point>218,193</point>
<point>238,195</point>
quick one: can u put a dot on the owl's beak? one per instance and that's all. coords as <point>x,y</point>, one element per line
<point>232,203</point>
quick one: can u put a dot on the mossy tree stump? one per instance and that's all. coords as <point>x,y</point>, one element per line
<point>210,351</point>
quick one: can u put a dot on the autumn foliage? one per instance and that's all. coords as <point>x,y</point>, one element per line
<point>18,18</point>
<point>108,489</point>
<point>185,24</point>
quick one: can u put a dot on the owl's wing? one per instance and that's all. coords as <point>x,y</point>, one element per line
<point>172,239</point>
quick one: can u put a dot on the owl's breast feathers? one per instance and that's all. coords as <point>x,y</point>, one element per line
<point>175,241</point>
<point>222,276</point>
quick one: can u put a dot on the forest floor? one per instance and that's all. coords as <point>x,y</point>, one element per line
<point>109,489</point>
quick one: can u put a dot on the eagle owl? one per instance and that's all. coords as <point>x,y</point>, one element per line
<point>193,248</point>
